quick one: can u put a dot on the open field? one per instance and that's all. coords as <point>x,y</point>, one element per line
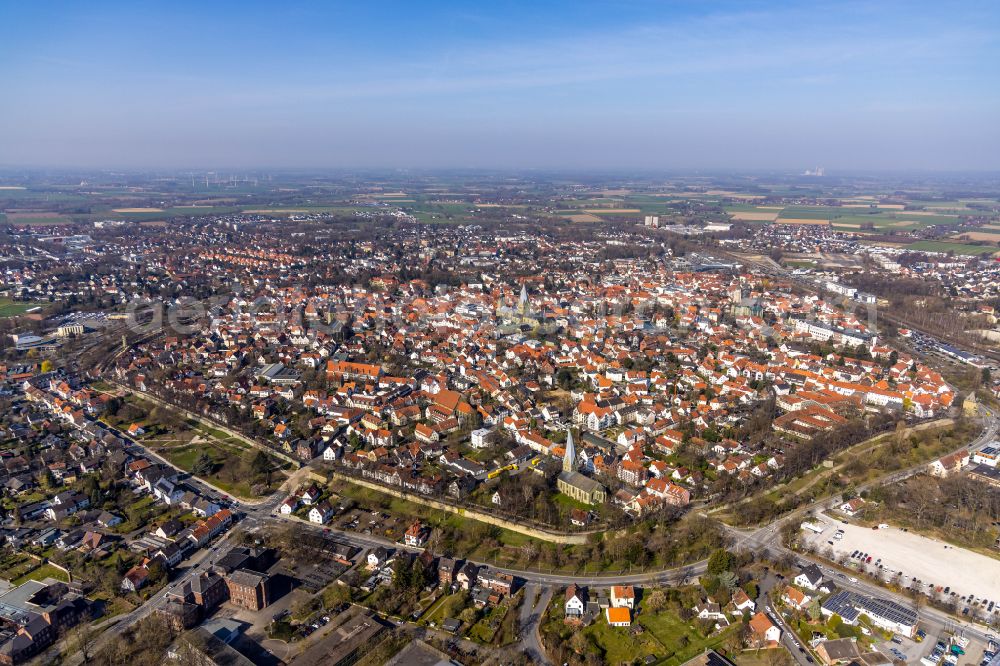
<point>35,218</point>
<point>957,248</point>
<point>583,217</point>
<point>767,216</point>
<point>802,220</point>
<point>9,308</point>
<point>137,210</point>
<point>598,211</point>
<point>978,236</point>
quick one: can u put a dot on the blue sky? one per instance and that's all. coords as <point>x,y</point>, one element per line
<point>628,84</point>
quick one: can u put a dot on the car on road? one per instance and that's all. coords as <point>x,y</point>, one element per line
<point>853,579</point>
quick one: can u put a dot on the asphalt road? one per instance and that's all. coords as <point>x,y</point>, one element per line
<point>532,607</point>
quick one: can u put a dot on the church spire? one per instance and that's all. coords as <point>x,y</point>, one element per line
<point>569,460</point>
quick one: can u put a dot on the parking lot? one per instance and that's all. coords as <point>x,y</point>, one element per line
<point>373,522</point>
<point>913,650</point>
<point>956,572</point>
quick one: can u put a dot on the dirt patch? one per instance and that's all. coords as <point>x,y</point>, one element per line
<point>583,218</point>
<point>751,217</point>
<point>977,235</point>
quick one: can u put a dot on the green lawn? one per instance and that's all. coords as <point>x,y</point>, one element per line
<point>619,645</point>
<point>224,456</point>
<point>41,573</point>
<point>570,503</point>
<point>672,632</point>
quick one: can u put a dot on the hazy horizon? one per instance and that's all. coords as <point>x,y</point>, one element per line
<point>613,86</point>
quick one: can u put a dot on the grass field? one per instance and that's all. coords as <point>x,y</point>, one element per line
<point>671,631</point>
<point>849,217</point>
<point>226,455</point>
<point>36,220</point>
<point>957,248</point>
<point>9,308</point>
<point>41,573</point>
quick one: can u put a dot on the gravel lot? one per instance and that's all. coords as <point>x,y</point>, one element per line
<point>929,560</point>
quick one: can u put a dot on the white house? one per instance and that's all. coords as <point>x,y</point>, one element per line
<point>852,507</point>
<point>482,437</point>
<point>764,631</point>
<point>576,601</point>
<point>321,513</point>
<point>290,504</point>
<point>810,577</point>
<point>622,596</point>
<point>742,602</point>
<point>708,610</point>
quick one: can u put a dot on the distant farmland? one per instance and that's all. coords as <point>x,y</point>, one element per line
<point>957,248</point>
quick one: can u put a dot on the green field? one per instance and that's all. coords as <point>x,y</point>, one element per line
<point>37,221</point>
<point>9,308</point>
<point>843,218</point>
<point>41,573</point>
<point>957,248</point>
<point>669,629</point>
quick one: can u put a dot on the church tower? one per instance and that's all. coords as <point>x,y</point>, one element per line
<point>569,460</point>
